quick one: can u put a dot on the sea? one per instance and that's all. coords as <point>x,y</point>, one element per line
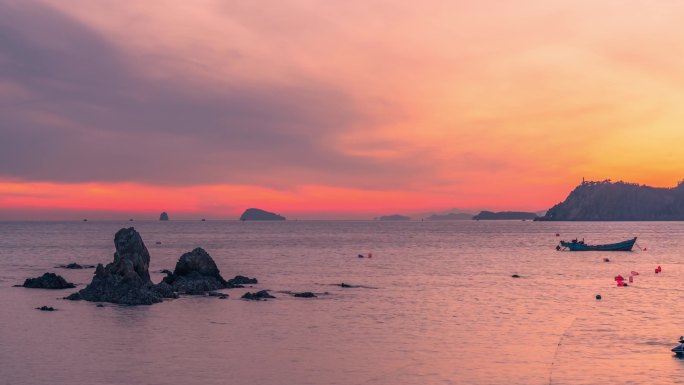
<point>437,304</point>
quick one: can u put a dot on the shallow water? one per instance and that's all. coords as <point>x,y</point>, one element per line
<point>444,308</point>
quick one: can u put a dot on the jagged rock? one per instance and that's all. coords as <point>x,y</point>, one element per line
<point>127,279</point>
<point>195,273</point>
<point>48,281</point>
<point>305,294</point>
<point>240,280</point>
<point>258,296</point>
<point>46,308</point>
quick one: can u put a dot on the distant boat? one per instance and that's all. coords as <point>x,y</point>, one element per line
<point>679,349</point>
<point>576,245</point>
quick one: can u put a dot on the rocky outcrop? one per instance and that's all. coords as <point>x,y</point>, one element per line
<point>74,266</point>
<point>260,215</point>
<point>305,294</point>
<point>48,281</point>
<point>258,296</point>
<point>127,279</point>
<point>240,280</point>
<point>395,217</point>
<point>619,201</point>
<point>164,216</point>
<point>46,308</point>
<point>197,273</point>
<point>505,215</point>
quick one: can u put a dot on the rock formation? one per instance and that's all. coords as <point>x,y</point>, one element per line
<point>619,201</point>
<point>75,265</point>
<point>48,281</point>
<point>258,296</point>
<point>504,215</point>
<point>164,216</point>
<point>127,279</point>
<point>260,215</point>
<point>395,217</point>
<point>195,273</point>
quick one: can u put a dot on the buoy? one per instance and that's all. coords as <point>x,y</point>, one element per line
<point>620,283</point>
<point>598,297</point>
<point>619,278</point>
<point>370,255</point>
<point>360,256</point>
<point>631,279</point>
<point>634,272</point>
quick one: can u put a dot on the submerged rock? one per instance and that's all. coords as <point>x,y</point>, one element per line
<point>305,294</point>
<point>258,296</point>
<point>75,265</point>
<point>195,273</point>
<point>48,281</point>
<point>46,308</point>
<point>127,279</point>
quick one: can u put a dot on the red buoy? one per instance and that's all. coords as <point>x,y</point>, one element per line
<point>631,279</point>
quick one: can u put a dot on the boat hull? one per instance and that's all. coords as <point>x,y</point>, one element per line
<point>620,246</point>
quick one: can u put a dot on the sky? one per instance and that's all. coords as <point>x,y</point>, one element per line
<point>332,109</point>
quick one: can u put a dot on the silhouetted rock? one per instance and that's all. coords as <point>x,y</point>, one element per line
<point>504,215</point>
<point>195,273</point>
<point>164,216</point>
<point>395,217</point>
<point>240,280</point>
<point>258,296</point>
<point>48,281</point>
<point>619,201</point>
<point>217,294</point>
<point>127,279</point>
<point>305,294</point>
<point>75,266</point>
<point>450,217</point>
<point>260,215</point>
<point>46,308</point>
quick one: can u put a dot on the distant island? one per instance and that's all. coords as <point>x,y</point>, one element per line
<point>504,215</point>
<point>164,216</point>
<point>395,217</point>
<point>450,217</point>
<point>619,201</point>
<point>260,215</point>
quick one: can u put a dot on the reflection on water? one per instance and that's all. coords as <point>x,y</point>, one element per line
<point>446,309</point>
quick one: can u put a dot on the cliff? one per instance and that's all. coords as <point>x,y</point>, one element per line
<point>504,215</point>
<point>619,201</point>
<point>260,215</point>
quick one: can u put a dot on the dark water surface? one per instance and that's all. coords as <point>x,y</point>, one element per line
<point>445,311</point>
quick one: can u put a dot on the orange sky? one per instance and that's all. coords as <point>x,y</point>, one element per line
<point>347,109</point>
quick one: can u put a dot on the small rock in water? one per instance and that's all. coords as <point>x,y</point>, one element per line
<point>158,243</point>
<point>240,280</point>
<point>48,281</point>
<point>258,296</point>
<point>598,297</point>
<point>46,308</point>
<point>606,260</point>
<point>305,294</point>
<point>361,256</point>
<point>100,305</point>
<point>515,276</point>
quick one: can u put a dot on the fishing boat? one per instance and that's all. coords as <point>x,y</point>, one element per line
<point>576,245</point>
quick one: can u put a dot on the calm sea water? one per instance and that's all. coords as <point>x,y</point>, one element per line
<point>443,308</point>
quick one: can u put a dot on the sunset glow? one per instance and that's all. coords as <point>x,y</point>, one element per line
<point>328,110</point>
